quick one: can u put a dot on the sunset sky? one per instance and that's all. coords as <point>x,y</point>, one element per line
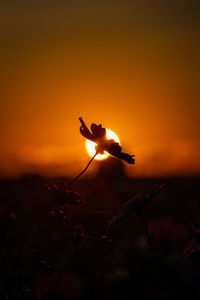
<point>131,65</point>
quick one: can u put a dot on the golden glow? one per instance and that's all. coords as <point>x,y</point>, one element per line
<point>90,146</point>
<point>106,68</point>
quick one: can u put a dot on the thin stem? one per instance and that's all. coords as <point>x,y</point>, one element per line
<point>36,219</point>
<point>50,203</point>
<point>79,175</point>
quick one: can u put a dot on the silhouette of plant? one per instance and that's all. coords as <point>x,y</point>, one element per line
<point>63,196</point>
<point>98,136</point>
<point>135,205</point>
<point>79,258</point>
<point>61,193</point>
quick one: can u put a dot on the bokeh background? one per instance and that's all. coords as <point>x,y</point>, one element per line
<point>131,65</point>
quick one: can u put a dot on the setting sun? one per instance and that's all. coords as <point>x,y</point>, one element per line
<point>90,146</point>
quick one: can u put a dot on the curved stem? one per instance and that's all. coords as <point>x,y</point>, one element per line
<point>36,219</point>
<point>50,203</point>
<point>79,175</point>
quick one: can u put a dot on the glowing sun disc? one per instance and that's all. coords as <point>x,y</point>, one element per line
<point>90,146</point>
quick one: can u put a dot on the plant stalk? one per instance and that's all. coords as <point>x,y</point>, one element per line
<point>50,203</point>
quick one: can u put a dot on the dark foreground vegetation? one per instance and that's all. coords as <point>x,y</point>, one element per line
<point>77,249</point>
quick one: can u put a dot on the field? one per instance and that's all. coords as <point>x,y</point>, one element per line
<point>73,252</point>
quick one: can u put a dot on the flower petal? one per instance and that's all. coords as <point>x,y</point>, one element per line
<point>115,150</point>
<point>98,135</point>
<point>85,131</point>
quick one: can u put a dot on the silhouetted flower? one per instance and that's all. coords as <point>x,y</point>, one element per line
<point>135,204</point>
<point>60,214</point>
<point>64,197</point>
<point>98,136</point>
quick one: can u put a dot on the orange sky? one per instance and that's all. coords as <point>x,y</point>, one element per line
<point>131,65</point>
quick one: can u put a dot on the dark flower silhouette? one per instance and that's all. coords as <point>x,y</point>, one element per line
<point>64,197</point>
<point>59,213</point>
<point>98,136</point>
<point>135,204</point>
